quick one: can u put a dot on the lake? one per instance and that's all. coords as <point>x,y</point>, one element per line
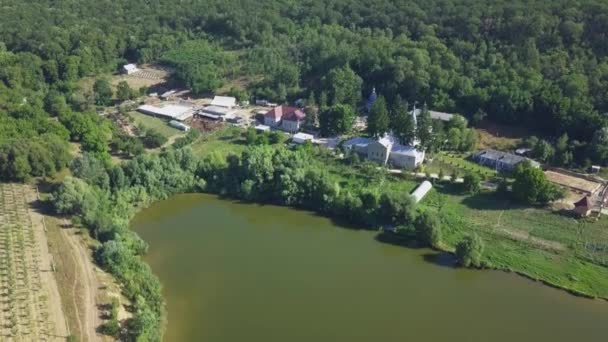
<point>245,272</point>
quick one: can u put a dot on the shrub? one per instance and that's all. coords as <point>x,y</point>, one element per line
<point>469,251</point>
<point>428,229</point>
<point>471,183</point>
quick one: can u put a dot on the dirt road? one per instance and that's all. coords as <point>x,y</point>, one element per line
<point>86,285</point>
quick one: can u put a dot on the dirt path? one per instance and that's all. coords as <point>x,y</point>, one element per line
<point>57,318</point>
<point>86,284</point>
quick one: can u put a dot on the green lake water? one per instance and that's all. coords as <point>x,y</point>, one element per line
<point>241,272</point>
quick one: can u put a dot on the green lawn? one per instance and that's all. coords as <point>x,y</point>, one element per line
<point>223,142</point>
<point>150,122</point>
<point>460,163</point>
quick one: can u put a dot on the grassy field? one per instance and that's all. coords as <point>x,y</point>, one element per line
<point>459,162</point>
<point>223,142</point>
<point>548,246</point>
<point>150,122</point>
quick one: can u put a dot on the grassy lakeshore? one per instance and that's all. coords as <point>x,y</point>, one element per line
<point>536,242</point>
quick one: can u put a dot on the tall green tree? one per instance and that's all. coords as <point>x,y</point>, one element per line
<point>531,185</point>
<point>343,86</point>
<point>378,118</point>
<point>403,124</point>
<point>124,91</point>
<point>103,92</point>
<point>336,120</point>
<point>424,128</point>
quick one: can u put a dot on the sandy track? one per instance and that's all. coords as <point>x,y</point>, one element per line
<point>49,282</point>
<point>86,285</point>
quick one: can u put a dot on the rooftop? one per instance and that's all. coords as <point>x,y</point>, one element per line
<point>224,101</point>
<point>503,157</point>
<point>286,113</point>
<point>172,111</point>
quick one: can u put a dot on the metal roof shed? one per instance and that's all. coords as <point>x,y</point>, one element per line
<point>224,101</point>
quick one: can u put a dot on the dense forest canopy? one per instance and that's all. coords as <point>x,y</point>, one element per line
<point>539,64</point>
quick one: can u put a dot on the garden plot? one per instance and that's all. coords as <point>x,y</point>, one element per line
<point>29,305</point>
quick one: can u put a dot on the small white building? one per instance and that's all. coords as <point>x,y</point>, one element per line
<point>130,68</point>
<point>224,101</point>
<point>421,191</point>
<point>262,128</point>
<point>179,125</point>
<point>300,138</point>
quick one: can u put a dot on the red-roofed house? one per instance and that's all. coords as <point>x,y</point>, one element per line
<point>583,207</point>
<point>289,119</point>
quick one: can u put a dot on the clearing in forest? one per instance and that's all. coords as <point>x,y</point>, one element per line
<point>30,308</point>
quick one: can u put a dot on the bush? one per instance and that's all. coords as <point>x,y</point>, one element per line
<point>470,183</point>
<point>153,139</point>
<point>428,229</point>
<point>469,251</point>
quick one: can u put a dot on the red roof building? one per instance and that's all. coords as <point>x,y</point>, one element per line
<point>285,117</point>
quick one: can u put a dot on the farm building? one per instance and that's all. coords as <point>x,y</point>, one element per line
<point>386,150</point>
<point>179,125</point>
<point>289,119</point>
<point>130,69</point>
<point>300,138</point>
<point>500,161</point>
<point>175,112</point>
<point>218,111</point>
<point>421,191</point>
<point>224,101</point>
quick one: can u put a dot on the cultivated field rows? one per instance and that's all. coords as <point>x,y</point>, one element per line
<point>24,295</point>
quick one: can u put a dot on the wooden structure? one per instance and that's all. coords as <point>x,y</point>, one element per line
<point>583,207</point>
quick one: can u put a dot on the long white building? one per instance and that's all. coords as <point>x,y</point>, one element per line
<point>175,112</point>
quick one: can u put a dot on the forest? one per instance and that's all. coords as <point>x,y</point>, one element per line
<point>540,65</point>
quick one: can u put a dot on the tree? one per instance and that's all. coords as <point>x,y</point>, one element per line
<point>103,92</point>
<point>428,229</point>
<point>424,128</point>
<point>378,120</point>
<point>454,139</point>
<point>312,112</point>
<point>124,91</point>
<point>468,141</point>
<point>599,146</point>
<point>336,120</point>
<point>344,86</point>
<point>543,151</point>
<point>469,251</point>
<point>403,123</point>
<point>153,139</point>
<point>471,182</point>
<point>563,155</point>
<point>531,185</point>
<point>478,117</point>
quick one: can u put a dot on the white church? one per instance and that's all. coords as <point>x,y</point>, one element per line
<point>387,149</point>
